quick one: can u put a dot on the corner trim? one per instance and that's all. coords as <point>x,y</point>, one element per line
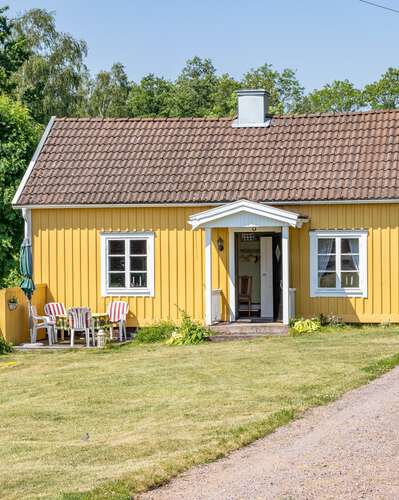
<point>32,163</point>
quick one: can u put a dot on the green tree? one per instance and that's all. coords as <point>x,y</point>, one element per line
<point>109,93</point>
<point>384,93</point>
<point>151,97</point>
<point>224,98</point>
<point>194,89</point>
<point>334,97</point>
<point>52,80</point>
<point>19,135</point>
<point>284,88</point>
<point>13,52</point>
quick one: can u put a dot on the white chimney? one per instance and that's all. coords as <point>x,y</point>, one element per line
<point>253,108</point>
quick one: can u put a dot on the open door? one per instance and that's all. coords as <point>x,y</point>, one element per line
<point>266,277</point>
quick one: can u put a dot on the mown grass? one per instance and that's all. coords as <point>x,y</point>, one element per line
<point>152,411</point>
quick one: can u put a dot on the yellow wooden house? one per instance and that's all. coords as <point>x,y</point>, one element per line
<point>257,218</point>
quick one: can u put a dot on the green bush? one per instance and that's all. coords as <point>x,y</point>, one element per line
<point>304,326</point>
<point>330,320</point>
<point>5,347</point>
<point>159,332</point>
<point>189,332</point>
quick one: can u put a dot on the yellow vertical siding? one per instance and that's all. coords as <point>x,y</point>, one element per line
<point>66,254</point>
<point>67,257</point>
<point>382,223</point>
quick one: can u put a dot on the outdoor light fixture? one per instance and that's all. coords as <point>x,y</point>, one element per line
<point>220,244</point>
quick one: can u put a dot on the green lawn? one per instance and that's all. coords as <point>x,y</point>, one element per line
<point>153,411</point>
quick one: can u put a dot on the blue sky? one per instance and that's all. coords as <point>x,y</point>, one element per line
<point>322,39</point>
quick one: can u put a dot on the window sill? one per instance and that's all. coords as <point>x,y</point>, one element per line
<point>330,292</point>
<point>128,292</point>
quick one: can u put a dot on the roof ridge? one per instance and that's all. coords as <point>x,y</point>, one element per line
<point>222,118</point>
<point>146,119</point>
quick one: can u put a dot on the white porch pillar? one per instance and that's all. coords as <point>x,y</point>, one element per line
<point>286,273</point>
<point>208,276</point>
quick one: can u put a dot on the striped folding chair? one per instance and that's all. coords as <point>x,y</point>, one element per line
<point>79,319</point>
<point>117,312</point>
<point>54,310</point>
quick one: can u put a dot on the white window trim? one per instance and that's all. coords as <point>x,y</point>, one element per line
<point>149,291</point>
<point>315,291</point>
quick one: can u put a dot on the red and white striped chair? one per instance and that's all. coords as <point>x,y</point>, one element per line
<point>52,310</point>
<point>79,319</point>
<point>117,312</point>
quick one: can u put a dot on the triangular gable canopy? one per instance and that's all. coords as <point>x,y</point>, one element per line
<point>244,213</point>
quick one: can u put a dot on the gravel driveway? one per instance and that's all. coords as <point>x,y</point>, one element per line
<point>348,449</point>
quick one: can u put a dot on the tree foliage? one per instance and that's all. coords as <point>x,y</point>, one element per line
<point>13,52</point>
<point>109,93</point>
<point>384,93</point>
<point>335,97</point>
<point>150,97</point>
<point>19,135</point>
<point>52,80</point>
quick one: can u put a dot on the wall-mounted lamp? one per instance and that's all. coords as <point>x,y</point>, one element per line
<point>220,244</point>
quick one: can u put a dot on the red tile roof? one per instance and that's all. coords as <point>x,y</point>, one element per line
<point>343,156</point>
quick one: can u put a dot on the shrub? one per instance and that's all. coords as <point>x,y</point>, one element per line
<point>5,347</point>
<point>304,326</point>
<point>158,332</point>
<point>189,332</point>
<point>330,320</point>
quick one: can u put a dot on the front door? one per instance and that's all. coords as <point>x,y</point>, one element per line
<point>266,277</point>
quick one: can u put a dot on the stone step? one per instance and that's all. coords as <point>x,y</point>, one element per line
<point>249,329</point>
<point>221,337</point>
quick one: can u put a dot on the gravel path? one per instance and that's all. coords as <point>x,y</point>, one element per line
<point>348,450</point>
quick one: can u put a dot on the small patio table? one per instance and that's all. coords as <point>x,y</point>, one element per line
<point>100,320</point>
<point>61,323</point>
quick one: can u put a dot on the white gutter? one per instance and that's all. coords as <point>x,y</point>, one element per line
<point>32,163</point>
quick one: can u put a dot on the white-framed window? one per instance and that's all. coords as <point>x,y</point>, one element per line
<point>338,263</point>
<point>127,264</point>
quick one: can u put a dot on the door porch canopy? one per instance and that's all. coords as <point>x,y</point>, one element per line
<point>246,214</point>
<point>238,216</point>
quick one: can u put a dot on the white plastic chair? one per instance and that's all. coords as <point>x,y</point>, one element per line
<point>79,319</point>
<point>39,323</point>
<point>117,312</point>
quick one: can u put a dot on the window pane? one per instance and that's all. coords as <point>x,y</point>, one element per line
<point>326,262</point>
<point>138,263</point>
<point>350,245</point>
<point>116,280</point>
<point>138,247</point>
<point>326,245</point>
<point>138,280</point>
<point>350,262</point>
<point>327,280</point>
<point>116,263</point>
<point>350,280</point>
<point>116,247</point>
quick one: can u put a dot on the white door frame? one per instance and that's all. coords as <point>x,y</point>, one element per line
<point>266,271</point>
<point>285,268</point>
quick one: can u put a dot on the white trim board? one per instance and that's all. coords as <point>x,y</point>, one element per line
<point>32,163</point>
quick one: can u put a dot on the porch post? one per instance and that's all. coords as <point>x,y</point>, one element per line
<point>286,273</point>
<point>208,276</point>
